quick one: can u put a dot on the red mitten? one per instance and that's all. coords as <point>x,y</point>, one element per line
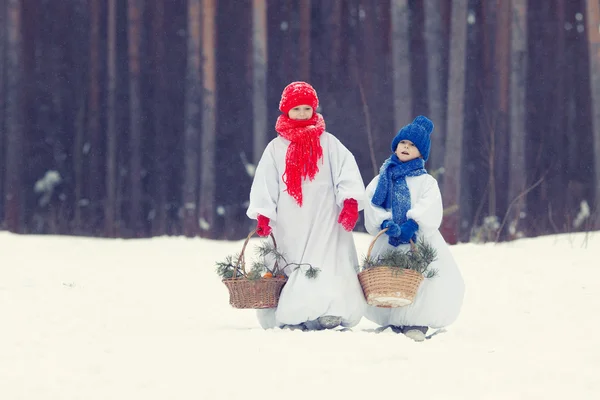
<point>349,214</point>
<point>262,228</point>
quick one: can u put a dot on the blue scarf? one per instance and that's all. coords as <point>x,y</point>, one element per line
<point>392,191</point>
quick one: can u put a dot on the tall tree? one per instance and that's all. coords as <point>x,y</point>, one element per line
<point>192,119</point>
<point>593,31</point>
<point>95,178</point>
<point>3,27</point>
<point>401,62</point>
<point>516,184</point>
<point>209,117</point>
<point>455,114</point>
<point>501,71</point>
<point>134,36</point>
<point>13,191</point>
<point>161,141</point>
<point>110,206</point>
<point>259,77</point>
<point>305,32</point>
<point>434,40</point>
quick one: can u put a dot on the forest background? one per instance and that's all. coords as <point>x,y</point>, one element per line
<point>139,118</point>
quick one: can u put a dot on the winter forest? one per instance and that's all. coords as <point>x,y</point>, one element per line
<point>139,118</point>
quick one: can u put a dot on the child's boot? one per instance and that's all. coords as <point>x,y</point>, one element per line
<point>416,333</point>
<point>329,321</point>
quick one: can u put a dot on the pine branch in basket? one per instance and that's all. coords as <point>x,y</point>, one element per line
<point>226,268</point>
<point>418,259</point>
<point>260,268</point>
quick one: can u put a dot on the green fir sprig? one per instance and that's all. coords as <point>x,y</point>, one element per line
<point>418,259</point>
<point>225,269</point>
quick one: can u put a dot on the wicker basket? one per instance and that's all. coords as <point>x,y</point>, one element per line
<point>389,287</point>
<point>260,293</point>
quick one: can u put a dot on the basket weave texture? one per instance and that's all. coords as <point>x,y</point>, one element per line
<point>389,287</point>
<point>257,294</point>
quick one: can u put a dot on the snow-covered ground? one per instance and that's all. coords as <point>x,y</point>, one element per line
<point>149,319</point>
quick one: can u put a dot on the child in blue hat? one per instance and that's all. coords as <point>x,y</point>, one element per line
<point>407,201</point>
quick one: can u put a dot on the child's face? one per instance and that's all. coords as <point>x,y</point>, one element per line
<point>302,111</point>
<point>407,151</point>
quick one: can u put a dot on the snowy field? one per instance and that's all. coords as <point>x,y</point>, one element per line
<point>149,319</point>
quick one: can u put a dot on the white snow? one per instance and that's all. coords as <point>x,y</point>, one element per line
<point>149,319</point>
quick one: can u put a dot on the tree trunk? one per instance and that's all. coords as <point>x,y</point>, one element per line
<point>401,63</point>
<point>14,119</point>
<point>435,80</point>
<point>134,35</point>
<point>3,25</point>
<point>501,68</point>
<point>593,31</point>
<point>111,207</point>
<point>209,100</point>
<point>192,119</point>
<point>455,114</point>
<point>517,165</point>
<point>94,179</point>
<point>305,31</point>
<point>161,142</point>
<point>259,81</point>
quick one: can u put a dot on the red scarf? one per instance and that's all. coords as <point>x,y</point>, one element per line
<point>303,152</point>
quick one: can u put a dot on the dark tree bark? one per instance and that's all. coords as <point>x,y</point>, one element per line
<point>454,143</point>
<point>305,32</point>
<point>95,177</point>
<point>209,119</point>
<point>518,112</point>
<point>192,119</point>
<point>161,143</point>
<point>434,40</point>
<point>111,214</point>
<point>401,63</point>
<point>13,191</point>
<point>3,29</point>
<point>593,32</point>
<point>136,206</point>
<point>259,78</point>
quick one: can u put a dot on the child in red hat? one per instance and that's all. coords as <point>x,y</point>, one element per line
<point>406,200</point>
<point>307,190</point>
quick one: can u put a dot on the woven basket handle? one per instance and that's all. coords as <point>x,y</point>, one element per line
<point>242,259</point>
<point>381,232</point>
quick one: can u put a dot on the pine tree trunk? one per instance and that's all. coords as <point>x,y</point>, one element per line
<point>435,80</point>
<point>111,214</point>
<point>259,75</point>
<point>14,119</point>
<point>161,177</point>
<point>517,165</point>
<point>501,68</point>
<point>305,30</point>
<point>207,210</point>
<point>455,114</point>
<point>593,31</point>
<point>192,120</point>
<point>134,35</point>
<point>3,25</point>
<point>401,63</point>
<point>94,179</point>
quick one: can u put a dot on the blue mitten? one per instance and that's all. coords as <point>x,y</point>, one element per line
<point>409,229</point>
<point>393,229</point>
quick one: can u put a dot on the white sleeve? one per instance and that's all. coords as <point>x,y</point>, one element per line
<point>264,193</point>
<point>374,215</point>
<point>347,180</point>
<point>427,210</point>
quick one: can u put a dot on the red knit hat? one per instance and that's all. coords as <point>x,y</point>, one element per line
<point>298,93</point>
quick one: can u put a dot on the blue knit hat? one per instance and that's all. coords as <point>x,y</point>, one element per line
<point>417,132</point>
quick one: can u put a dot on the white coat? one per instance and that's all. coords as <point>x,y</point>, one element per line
<point>311,234</point>
<point>439,299</point>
